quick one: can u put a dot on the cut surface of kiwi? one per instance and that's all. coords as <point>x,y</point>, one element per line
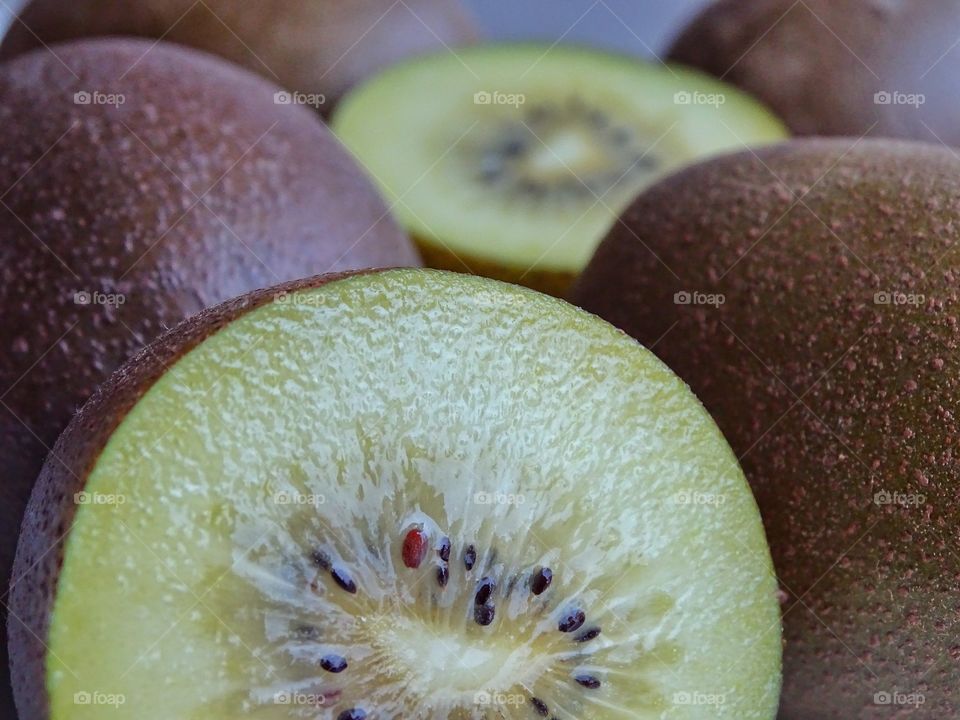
<point>513,160</point>
<point>400,494</point>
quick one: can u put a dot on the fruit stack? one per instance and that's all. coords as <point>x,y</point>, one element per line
<point>258,463</point>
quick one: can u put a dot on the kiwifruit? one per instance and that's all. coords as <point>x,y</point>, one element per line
<point>809,295</point>
<point>255,511</point>
<point>318,48</point>
<point>837,67</point>
<point>513,160</point>
<point>137,188</point>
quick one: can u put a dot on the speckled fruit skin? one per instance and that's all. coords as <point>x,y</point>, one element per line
<point>819,64</point>
<point>828,392</point>
<point>52,506</point>
<point>312,46</point>
<point>196,189</point>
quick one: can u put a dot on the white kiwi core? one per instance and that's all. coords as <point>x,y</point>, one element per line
<point>414,494</point>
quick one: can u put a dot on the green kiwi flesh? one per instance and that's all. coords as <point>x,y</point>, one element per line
<point>317,48</point>
<point>837,67</point>
<point>809,295</point>
<point>178,185</point>
<point>238,504</point>
<point>514,160</point>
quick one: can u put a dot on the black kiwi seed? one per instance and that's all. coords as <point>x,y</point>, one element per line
<point>540,706</point>
<point>588,681</point>
<point>588,635</point>
<point>442,575</point>
<point>352,714</point>
<point>483,614</point>
<point>470,557</point>
<point>541,580</point>
<point>572,620</point>
<point>320,559</point>
<point>484,590</point>
<point>443,549</point>
<point>343,579</point>
<point>333,663</point>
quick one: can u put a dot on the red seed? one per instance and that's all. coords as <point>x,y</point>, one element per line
<point>414,548</point>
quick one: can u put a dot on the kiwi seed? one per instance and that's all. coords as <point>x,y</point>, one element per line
<point>333,663</point>
<point>540,706</point>
<point>343,579</point>
<point>572,620</point>
<point>485,589</point>
<point>588,635</point>
<point>443,549</point>
<point>541,580</point>
<point>483,614</point>
<point>587,681</point>
<point>352,714</point>
<point>470,557</point>
<point>443,575</point>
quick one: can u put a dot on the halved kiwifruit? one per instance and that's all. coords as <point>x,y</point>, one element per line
<point>514,160</point>
<point>405,494</point>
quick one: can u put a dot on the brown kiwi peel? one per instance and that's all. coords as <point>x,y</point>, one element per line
<point>551,282</point>
<point>836,67</point>
<point>103,199</point>
<point>321,47</point>
<point>831,365</point>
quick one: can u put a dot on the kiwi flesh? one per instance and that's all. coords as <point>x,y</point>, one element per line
<point>513,160</point>
<point>837,67</point>
<point>317,48</point>
<point>367,497</point>
<point>828,356</point>
<point>120,220</point>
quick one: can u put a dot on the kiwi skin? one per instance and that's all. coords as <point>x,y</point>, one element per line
<point>52,507</point>
<point>551,282</point>
<point>315,46</point>
<point>826,394</point>
<point>820,63</point>
<point>86,199</point>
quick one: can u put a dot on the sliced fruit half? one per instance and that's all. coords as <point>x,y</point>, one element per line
<point>513,161</point>
<point>395,495</point>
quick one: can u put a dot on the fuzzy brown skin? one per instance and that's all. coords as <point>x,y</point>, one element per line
<point>52,506</point>
<point>828,395</point>
<point>313,46</point>
<point>819,63</point>
<point>97,198</point>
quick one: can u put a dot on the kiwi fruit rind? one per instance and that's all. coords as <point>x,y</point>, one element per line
<point>809,295</point>
<point>367,496</point>
<point>141,183</point>
<point>318,48</point>
<point>513,160</point>
<point>837,67</point>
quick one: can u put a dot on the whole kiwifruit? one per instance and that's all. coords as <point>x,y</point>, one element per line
<point>141,183</point>
<point>318,48</point>
<point>809,294</point>
<point>430,495</point>
<point>838,67</point>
